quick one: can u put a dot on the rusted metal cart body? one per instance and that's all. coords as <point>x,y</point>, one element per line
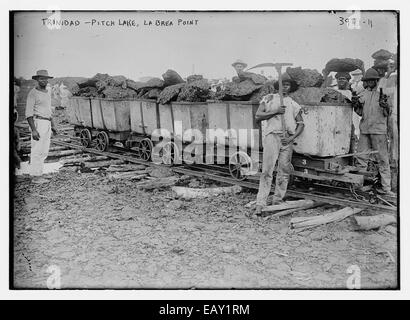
<point>320,152</point>
<point>98,121</point>
<point>187,131</point>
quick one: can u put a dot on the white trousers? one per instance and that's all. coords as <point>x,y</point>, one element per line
<point>274,151</point>
<point>39,149</point>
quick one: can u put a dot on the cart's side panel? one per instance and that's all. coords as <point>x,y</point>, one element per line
<point>73,112</point>
<point>218,122</point>
<point>116,114</point>
<point>150,116</point>
<point>79,112</point>
<point>327,130</point>
<point>242,120</point>
<point>166,118</point>
<point>137,124</point>
<point>98,119</point>
<point>199,120</point>
<point>122,116</point>
<point>108,111</point>
<point>182,117</point>
<point>86,117</point>
<point>343,133</point>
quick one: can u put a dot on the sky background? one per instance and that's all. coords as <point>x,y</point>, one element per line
<point>306,39</point>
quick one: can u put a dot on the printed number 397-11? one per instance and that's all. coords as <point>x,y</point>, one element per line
<point>354,22</point>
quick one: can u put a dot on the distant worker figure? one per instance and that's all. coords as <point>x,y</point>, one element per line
<point>38,114</point>
<point>65,94</point>
<point>277,147</point>
<point>16,92</point>
<point>357,83</point>
<point>391,90</point>
<point>381,67</point>
<point>16,149</point>
<point>343,85</point>
<point>239,66</point>
<point>357,88</point>
<point>373,128</point>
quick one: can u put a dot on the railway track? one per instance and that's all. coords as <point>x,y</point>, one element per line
<point>217,173</point>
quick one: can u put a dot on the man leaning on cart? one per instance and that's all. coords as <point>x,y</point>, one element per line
<point>38,114</point>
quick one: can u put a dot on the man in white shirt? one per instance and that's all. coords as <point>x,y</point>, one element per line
<point>65,95</point>
<point>277,145</point>
<point>38,114</point>
<point>239,66</point>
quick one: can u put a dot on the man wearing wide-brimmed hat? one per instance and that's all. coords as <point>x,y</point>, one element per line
<point>373,129</point>
<point>239,66</point>
<point>38,114</point>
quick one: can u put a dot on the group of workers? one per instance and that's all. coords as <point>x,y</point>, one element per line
<point>374,99</point>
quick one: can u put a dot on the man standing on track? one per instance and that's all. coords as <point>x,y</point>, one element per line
<point>38,114</point>
<point>277,146</point>
<point>373,129</point>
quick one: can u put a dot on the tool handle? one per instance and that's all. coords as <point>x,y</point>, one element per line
<point>282,117</point>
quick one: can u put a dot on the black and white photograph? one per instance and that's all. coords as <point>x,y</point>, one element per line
<point>205,150</point>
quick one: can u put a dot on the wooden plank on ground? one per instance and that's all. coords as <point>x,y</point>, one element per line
<point>309,222</point>
<point>287,205</point>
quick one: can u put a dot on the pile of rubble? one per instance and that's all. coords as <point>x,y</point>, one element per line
<point>170,88</point>
<point>313,85</point>
<point>314,95</point>
<point>382,58</point>
<point>247,86</point>
<point>343,65</point>
<point>196,89</point>
<point>306,87</point>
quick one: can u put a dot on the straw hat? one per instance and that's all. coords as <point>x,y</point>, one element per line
<point>41,73</point>
<point>239,62</point>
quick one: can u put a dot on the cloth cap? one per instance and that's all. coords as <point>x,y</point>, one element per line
<point>371,74</point>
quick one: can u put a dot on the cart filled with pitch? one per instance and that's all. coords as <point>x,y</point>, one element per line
<point>100,122</point>
<point>321,152</point>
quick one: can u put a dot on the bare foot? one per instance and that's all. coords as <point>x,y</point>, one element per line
<point>258,210</point>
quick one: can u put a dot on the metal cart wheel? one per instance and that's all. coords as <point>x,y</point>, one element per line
<point>144,149</point>
<point>102,141</point>
<point>85,138</point>
<point>238,163</point>
<point>169,153</point>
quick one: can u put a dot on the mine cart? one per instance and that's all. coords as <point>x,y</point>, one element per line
<point>100,122</point>
<point>321,152</point>
<point>151,121</point>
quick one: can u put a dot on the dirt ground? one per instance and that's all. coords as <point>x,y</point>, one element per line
<point>108,234</point>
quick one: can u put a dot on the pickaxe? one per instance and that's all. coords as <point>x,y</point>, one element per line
<point>278,67</point>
